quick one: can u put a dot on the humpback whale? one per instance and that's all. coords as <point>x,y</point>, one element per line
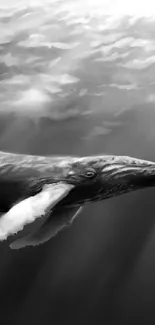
<point>56,189</point>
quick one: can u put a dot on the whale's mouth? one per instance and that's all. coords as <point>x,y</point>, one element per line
<point>127,175</point>
<point>124,175</point>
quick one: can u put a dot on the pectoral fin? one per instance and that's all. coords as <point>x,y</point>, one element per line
<point>28,210</point>
<point>58,219</point>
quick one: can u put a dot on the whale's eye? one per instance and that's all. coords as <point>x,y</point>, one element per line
<point>90,173</point>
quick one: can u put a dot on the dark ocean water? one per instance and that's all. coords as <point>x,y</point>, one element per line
<point>78,78</point>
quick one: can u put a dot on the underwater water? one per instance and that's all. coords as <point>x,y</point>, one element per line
<point>78,78</point>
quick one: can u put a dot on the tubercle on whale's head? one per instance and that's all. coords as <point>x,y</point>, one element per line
<point>109,168</point>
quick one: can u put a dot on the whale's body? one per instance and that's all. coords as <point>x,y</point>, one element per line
<point>56,188</point>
